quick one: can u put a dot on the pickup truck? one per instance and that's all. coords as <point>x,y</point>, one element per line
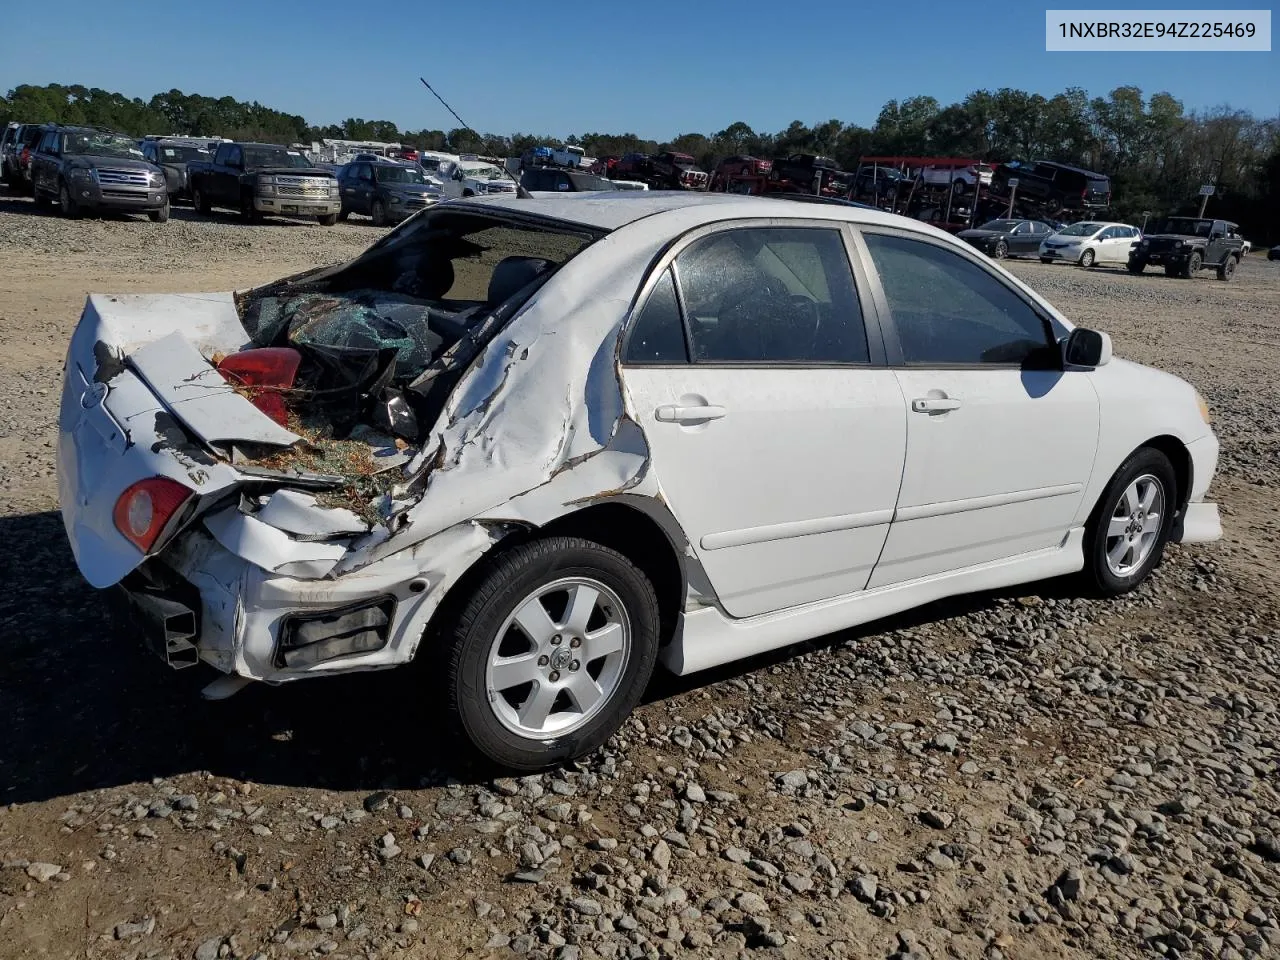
<point>1186,245</point>
<point>260,179</point>
<point>665,171</point>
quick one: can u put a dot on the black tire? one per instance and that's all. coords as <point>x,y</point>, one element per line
<point>504,582</point>
<point>1001,250</point>
<point>1098,574</point>
<point>1172,271</point>
<point>200,202</point>
<point>1136,267</point>
<point>1046,259</point>
<point>41,201</point>
<point>161,215</point>
<point>378,211</point>
<point>343,214</point>
<point>468,193</point>
<point>247,211</point>
<point>1227,269</point>
<point>1087,259</point>
<point>66,205</point>
<point>1193,265</point>
<point>328,220</point>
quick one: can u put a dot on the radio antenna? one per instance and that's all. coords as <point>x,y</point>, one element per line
<point>521,192</point>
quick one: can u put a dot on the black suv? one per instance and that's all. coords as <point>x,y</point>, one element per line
<point>550,178</point>
<point>1056,185</point>
<point>384,190</point>
<point>85,168</point>
<point>1186,245</point>
<point>172,156</point>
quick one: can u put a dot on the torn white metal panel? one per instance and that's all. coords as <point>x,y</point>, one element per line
<point>301,514</point>
<point>418,579</point>
<point>126,321</point>
<point>197,394</point>
<point>271,549</point>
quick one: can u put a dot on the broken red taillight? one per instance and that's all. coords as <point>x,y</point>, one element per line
<point>145,509</point>
<point>267,371</point>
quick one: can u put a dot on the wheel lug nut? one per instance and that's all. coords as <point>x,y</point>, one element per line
<point>543,661</point>
<point>575,665</point>
<point>575,642</point>
<point>556,640</point>
<point>555,675</point>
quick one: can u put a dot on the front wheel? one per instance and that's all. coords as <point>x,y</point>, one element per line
<point>1086,259</point>
<point>1001,250</point>
<point>329,220</point>
<point>379,213</point>
<point>1046,259</point>
<point>1136,267</point>
<point>70,209</point>
<point>247,210</point>
<point>1193,265</point>
<point>1130,525</point>
<point>161,215</point>
<point>200,202</point>
<point>551,652</point>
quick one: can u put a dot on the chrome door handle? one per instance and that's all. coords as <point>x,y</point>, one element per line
<point>671,413</point>
<point>934,404</point>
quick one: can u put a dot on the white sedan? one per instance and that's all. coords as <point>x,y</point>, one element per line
<point>544,445</point>
<point>1089,242</point>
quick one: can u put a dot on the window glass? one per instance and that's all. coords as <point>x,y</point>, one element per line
<point>657,335</point>
<point>771,295</point>
<point>948,310</point>
<point>1039,227</point>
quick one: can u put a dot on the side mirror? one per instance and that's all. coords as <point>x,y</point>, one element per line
<point>1087,348</point>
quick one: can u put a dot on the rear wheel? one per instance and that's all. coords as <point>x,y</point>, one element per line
<point>551,652</point>
<point>1127,532</point>
<point>1227,269</point>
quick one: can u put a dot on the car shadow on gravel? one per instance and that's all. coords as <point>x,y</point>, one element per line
<point>86,707</point>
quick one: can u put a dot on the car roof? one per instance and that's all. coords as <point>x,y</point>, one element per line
<point>610,210</point>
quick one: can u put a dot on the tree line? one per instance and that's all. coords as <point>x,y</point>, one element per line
<point>1156,151</point>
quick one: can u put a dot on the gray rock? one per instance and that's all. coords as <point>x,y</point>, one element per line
<point>208,950</point>
<point>43,872</point>
<point>938,819</point>
<point>694,793</point>
<point>793,779</point>
<point>585,906</point>
<point>137,928</point>
<point>864,888</point>
<point>751,903</point>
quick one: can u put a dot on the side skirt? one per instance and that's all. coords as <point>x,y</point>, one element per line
<point>707,638</point>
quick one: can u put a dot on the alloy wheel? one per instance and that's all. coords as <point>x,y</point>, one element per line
<point>1134,526</point>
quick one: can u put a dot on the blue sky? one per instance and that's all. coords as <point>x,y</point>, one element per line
<point>655,69</point>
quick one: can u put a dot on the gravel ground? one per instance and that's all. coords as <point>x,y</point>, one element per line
<point>1024,775</point>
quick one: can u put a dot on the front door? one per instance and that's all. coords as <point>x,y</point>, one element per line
<point>1000,440</point>
<point>775,431</point>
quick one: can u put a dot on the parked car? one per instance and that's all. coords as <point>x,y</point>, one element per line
<point>1245,246</point>
<point>1056,185</point>
<point>553,180</point>
<point>472,177</point>
<point>16,155</point>
<point>740,166</point>
<point>172,156</point>
<point>1089,242</point>
<point>85,169</point>
<point>589,482</point>
<point>804,168</point>
<point>962,179</point>
<point>384,190</point>
<point>1186,245</point>
<point>665,171</point>
<point>878,181</point>
<point>1274,253</point>
<point>1003,238</point>
<point>261,179</point>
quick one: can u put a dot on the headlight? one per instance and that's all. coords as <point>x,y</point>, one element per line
<point>333,188</point>
<point>396,199</point>
<point>1177,244</point>
<point>1204,407</point>
<point>83,173</point>
<point>1143,243</point>
<point>156,178</point>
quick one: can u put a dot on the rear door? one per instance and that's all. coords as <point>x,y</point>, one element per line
<point>226,175</point>
<point>1000,440</point>
<point>775,430</point>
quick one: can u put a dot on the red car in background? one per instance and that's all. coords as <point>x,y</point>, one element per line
<point>738,167</point>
